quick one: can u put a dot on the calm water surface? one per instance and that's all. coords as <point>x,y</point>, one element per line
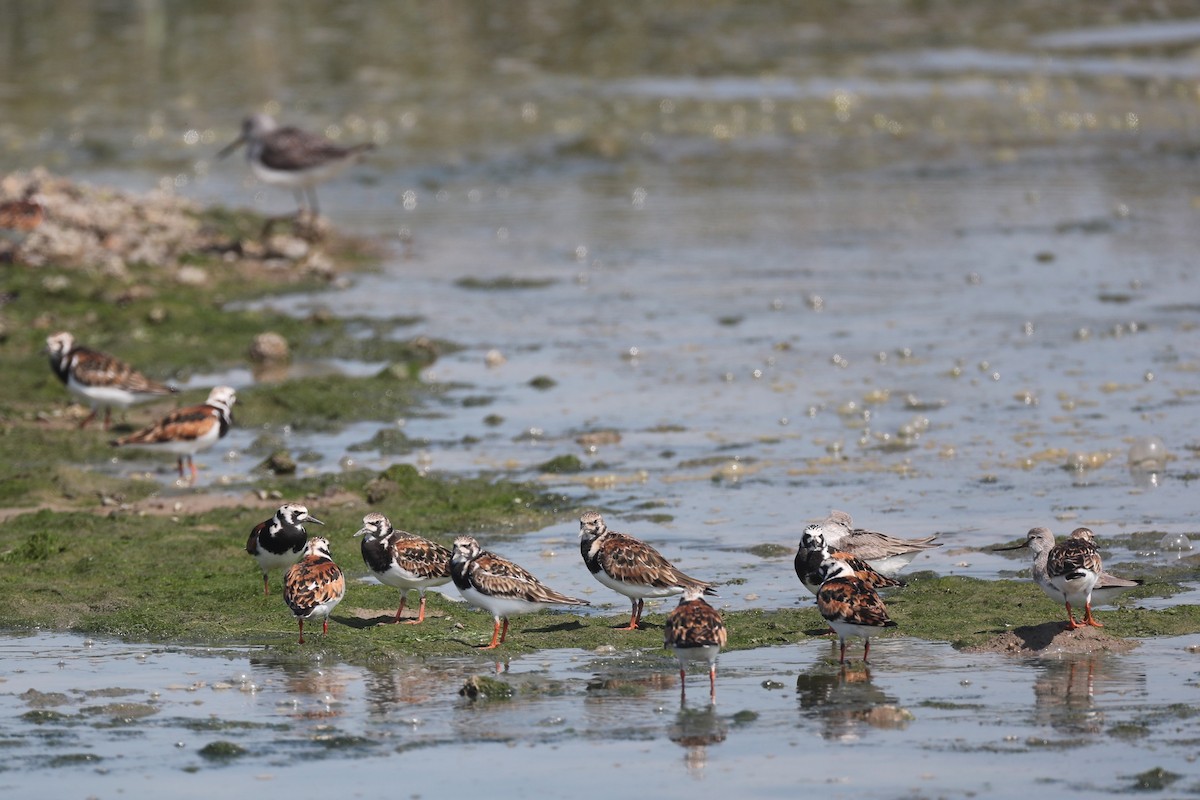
<point>911,264</point>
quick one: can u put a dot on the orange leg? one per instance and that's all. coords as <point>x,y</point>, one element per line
<point>682,682</point>
<point>400,610</point>
<point>87,419</point>
<point>866,650</point>
<point>192,464</point>
<point>504,633</point>
<point>1089,619</point>
<point>712,682</point>
<point>495,636</point>
<point>266,585</point>
<point>420,613</point>
<point>301,621</point>
<point>635,615</point>
<point>325,627</point>
<point>1071,623</point>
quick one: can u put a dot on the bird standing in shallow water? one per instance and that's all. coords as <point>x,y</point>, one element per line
<point>279,542</point>
<point>99,379</point>
<point>292,158</point>
<point>850,606</point>
<point>885,553</point>
<point>630,566</point>
<point>499,586</point>
<point>403,560</point>
<point>1067,572</point>
<point>694,631</point>
<point>187,431</point>
<point>314,585</point>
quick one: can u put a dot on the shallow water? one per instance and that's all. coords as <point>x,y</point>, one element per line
<point>907,264</point>
<point>105,719</point>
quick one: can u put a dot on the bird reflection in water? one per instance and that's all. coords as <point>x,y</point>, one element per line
<point>1066,687</point>
<point>694,730</point>
<point>316,692</point>
<point>846,700</point>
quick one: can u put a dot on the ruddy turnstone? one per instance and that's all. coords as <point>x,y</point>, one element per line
<point>499,586</point>
<point>694,631</point>
<point>1067,572</point>
<point>292,158</point>
<point>403,560</point>
<point>314,585</point>
<point>1109,586</point>
<point>630,566</point>
<point>279,541</point>
<point>99,379</point>
<point>187,431</point>
<point>886,554</point>
<point>850,606</point>
<point>813,550</point>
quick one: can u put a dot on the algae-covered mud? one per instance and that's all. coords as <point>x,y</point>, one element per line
<point>713,270</point>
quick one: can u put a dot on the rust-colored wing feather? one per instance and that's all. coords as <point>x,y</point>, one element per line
<point>864,572</point>
<point>311,583</point>
<point>850,600</point>
<point>182,424</point>
<point>1072,555</point>
<point>252,542</point>
<point>498,576</point>
<point>631,560</point>
<point>694,624</point>
<point>419,556</point>
<point>100,369</point>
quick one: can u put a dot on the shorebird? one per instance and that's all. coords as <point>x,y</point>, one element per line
<point>630,566</point>
<point>187,431</point>
<point>499,586</point>
<point>279,541</point>
<point>292,158</point>
<point>100,380</point>
<point>850,606</point>
<point>1070,571</point>
<point>403,560</point>
<point>314,585</point>
<point>1108,587</point>
<point>813,550</point>
<point>694,631</point>
<point>886,554</point>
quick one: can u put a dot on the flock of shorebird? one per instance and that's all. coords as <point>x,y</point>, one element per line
<point>278,155</point>
<point>843,566</point>
<point>104,381</point>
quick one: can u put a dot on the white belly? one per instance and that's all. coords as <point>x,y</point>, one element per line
<point>268,561</point>
<point>636,591</point>
<point>706,653</point>
<point>1076,590</point>
<point>499,606</point>
<point>402,579</point>
<point>104,396</point>
<point>322,610</point>
<point>298,179</point>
